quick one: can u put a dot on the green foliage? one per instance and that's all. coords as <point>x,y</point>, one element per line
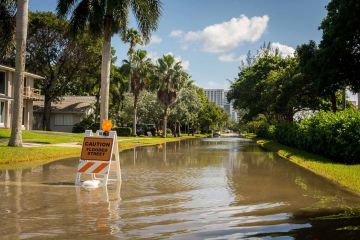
<point>85,124</point>
<point>123,131</point>
<point>339,47</point>
<point>334,135</point>
<point>7,29</point>
<point>259,126</point>
<point>273,86</point>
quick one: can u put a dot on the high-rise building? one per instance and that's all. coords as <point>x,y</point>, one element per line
<point>219,97</point>
<point>216,96</point>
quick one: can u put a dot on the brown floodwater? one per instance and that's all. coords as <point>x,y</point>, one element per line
<point>224,188</point>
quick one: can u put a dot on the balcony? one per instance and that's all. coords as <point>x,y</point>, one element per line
<point>32,94</point>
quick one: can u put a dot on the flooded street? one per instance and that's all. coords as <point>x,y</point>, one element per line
<point>195,189</point>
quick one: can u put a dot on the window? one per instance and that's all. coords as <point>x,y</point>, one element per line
<point>2,113</point>
<point>2,83</point>
<point>63,119</point>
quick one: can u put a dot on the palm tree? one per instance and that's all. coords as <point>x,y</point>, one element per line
<point>171,78</point>
<point>105,18</point>
<point>140,70</point>
<point>133,37</point>
<point>20,38</point>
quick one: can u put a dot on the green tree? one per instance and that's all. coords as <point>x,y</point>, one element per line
<point>150,110</point>
<point>133,37</point>
<point>7,28</point>
<point>339,47</point>
<point>186,109</point>
<point>105,18</point>
<point>170,77</point>
<point>140,69</point>
<point>65,62</point>
<point>20,39</point>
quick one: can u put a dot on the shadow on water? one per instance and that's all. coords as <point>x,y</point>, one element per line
<point>216,189</point>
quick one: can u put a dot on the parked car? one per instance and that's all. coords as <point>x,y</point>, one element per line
<point>217,134</point>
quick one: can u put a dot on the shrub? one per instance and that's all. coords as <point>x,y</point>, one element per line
<point>123,131</point>
<point>85,124</point>
<point>334,135</point>
<point>259,126</point>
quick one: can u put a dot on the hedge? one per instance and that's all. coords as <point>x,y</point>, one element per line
<point>123,131</point>
<point>333,135</point>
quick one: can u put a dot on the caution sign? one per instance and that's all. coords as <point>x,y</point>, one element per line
<point>98,149</point>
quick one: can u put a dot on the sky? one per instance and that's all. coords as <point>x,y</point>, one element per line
<point>211,37</point>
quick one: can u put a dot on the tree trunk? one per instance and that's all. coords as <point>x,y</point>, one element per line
<point>135,116</point>
<point>358,102</point>
<point>344,99</point>
<point>179,129</point>
<point>105,75</point>
<point>47,112</point>
<point>97,107</point>
<point>333,102</point>
<point>17,109</point>
<point>165,118</point>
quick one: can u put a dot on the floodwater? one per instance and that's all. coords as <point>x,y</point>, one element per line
<point>194,189</point>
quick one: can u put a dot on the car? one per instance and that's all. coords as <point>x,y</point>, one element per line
<point>217,134</point>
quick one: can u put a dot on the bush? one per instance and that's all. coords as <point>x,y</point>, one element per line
<point>85,124</point>
<point>123,131</point>
<point>259,126</point>
<point>334,135</point>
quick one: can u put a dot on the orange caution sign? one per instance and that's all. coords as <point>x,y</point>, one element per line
<point>98,149</point>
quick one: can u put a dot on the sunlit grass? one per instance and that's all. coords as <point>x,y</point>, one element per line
<point>23,157</point>
<point>45,136</point>
<point>343,174</point>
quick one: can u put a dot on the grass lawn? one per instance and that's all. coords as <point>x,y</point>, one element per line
<point>24,157</point>
<point>44,137</point>
<point>343,174</point>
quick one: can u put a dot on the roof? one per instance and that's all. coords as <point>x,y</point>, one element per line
<point>2,67</point>
<point>68,104</point>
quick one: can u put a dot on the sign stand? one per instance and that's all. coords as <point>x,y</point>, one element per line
<point>96,155</point>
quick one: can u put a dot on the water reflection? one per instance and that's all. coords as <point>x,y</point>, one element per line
<point>216,189</point>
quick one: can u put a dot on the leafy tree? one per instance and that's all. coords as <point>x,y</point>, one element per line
<point>150,110</point>
<point>105,18</point>
<point>248,91</point>
<point>62,60</point>
<point>186,109</point>
<point>20,38</point>
<point>140,69</point>
<point>340,45</point>
<point>275,87</point>
<point>170,78</point>
<point>7,28</point>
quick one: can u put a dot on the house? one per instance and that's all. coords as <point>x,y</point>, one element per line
<point>65,113</point>
<point>7,77</point>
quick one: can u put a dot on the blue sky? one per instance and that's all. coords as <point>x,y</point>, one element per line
<point>212,36</point>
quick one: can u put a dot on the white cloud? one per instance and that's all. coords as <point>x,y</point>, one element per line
<point>155,39</point>
<point>184,63</point>
<point>223,37</point>
<point>176,33</point>
<point>284,50</point>
<point>230,57</point>
<point>154,56</point>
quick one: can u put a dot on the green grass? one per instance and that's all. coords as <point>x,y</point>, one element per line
<point>343,174</point>
<point>44,136</point>
<point>25,157</point>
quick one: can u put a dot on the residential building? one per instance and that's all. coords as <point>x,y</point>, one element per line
<point>65,113</point>
<point>7,78</point>
<point>216,96</point>
<point>219,97</point>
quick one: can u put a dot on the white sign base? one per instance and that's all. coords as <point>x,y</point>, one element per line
<point>100,170</point>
